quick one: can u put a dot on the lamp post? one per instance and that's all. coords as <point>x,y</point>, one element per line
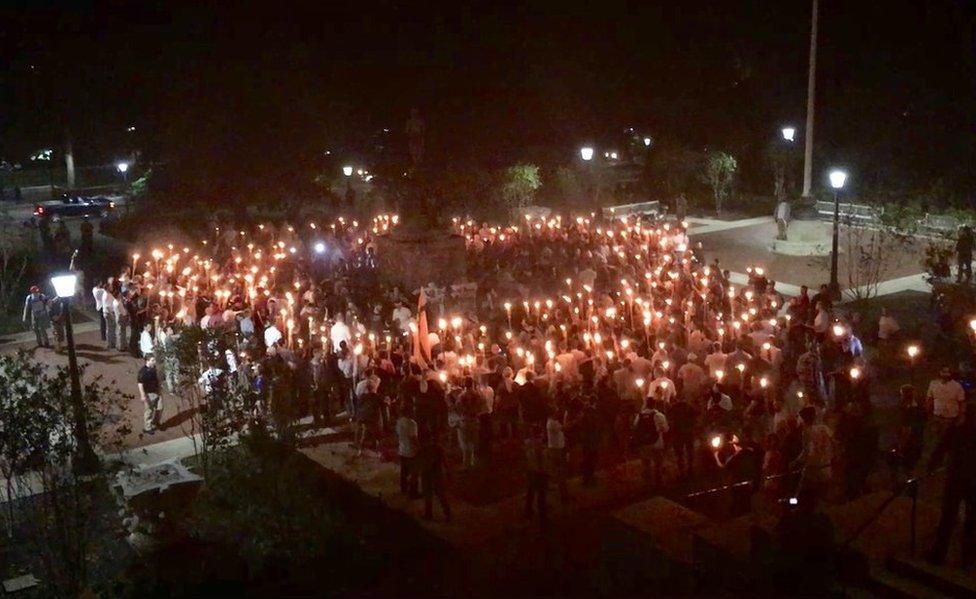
<point>837,180</point>
<point>123,168</point>
<point>586,153</point>
<point>85,460</point>
<point>811,94</point>
<point>347,170</point>
<point>789,133</point>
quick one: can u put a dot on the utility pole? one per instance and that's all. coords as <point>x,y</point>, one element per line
<point>811,93</point>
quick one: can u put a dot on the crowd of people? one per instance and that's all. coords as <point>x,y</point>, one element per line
<point>581,342</point>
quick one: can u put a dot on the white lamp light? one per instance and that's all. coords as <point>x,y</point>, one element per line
<point>838,178</point>
<point>64,285</point>
<point>319,248</point>
<point>122,166</point>
<point>347,171</point>
<point>789,133</point>
<point>586,153</point>
<point>647,141</point>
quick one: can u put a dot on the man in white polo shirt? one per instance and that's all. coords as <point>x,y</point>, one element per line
<point>945,400</point>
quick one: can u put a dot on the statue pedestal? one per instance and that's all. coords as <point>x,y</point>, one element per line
<point>413,257</point>
<point>805,238</point>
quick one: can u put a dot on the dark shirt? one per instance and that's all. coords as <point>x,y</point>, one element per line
<point>681,417</point>
<point>959,444</point>
<point>149,379</point>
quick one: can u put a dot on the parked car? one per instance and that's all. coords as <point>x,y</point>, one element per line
<point>75,205</point>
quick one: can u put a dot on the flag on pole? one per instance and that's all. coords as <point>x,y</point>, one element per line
<point>421,339</point>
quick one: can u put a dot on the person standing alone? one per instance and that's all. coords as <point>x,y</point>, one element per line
<point>148,380</point>
<point>35,309</point>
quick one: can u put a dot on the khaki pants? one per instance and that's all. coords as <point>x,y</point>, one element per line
<point>152,413</point>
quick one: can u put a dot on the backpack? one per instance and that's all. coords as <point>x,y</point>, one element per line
<point>37,306</point>
<point>645,430</point>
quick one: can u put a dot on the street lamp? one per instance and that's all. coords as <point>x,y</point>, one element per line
<point>586,153</point>
<point>647,142</point>
<point>789,133</point>
<point>837,178</point>
<point>123,168</point>
<point>85,460</point>
<point>347,171</point>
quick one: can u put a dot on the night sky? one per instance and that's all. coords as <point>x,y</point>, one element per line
<point>268,90</point>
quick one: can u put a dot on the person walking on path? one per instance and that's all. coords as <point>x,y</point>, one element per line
<point>407,435</point>
<point>35,309</point>
<point>148,380</point>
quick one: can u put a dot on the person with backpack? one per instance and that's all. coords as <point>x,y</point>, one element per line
<point>57,311</point>
<point>35,307</point>
<point>647,438</point>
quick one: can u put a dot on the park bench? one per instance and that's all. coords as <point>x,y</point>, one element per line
<point>849,212</point>
<point>939,224</point>
<point>651,208</point>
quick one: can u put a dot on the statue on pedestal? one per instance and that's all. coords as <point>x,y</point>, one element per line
<point>782,216</point>
<point>420,250</point>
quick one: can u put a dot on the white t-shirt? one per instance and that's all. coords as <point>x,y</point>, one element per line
<point>271,336</point>
<point>406,431</point>
<point>99,294</point>
<point>402,317</point>
<point>947,398</point>
<point>887,326</point>
<point>340,332</point>
<point>667,389</point>
<point>715,362</point>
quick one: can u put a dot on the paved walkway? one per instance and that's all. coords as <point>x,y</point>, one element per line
<point>750,247</point>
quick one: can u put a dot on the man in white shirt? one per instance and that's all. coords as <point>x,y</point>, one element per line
<point>407,445</point>
<point>945,399</point>
<point>340,332</point>
<point>556,455</point>
<point>402,316</point>
<point>271,336</point>
<point>715,361</point>
<point>99,293</point>
<point>693,379</point>
<point>662,388</point>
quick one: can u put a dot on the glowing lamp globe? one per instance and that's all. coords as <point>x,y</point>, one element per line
<point>586,153</point>
<point>838,178</point>
<point>64,285</point>
<point>347,171</point>
<point>912,351</point>
<point>647,142</point>
<point>789,133</point>
<point>122,166</point>
<point>319,248</point>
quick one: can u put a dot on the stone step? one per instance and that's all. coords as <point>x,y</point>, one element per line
<point>888,584</point>
<point>953,583</point>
